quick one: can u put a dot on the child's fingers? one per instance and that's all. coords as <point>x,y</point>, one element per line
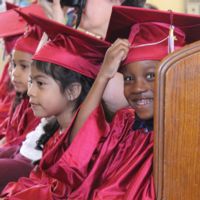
<point>121,41</point>
<point>121,50</point>
<point>116,53</point>
<point>120,44</point>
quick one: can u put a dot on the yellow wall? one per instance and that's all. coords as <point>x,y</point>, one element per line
<point>175,5</point>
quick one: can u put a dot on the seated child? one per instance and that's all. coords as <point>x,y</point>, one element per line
<point>10,35</point>
<point>15,126</point>
<point>64,68</point>
<point>123,165</point>
<point>21,119</point>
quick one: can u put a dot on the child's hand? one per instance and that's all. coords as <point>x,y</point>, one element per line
<point>113,57</point>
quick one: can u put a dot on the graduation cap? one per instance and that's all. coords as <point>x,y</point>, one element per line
<point>152,33</point>
<point>29,41</point>
<point>9,41</point>
<point>13,24</point>
<point>71,48</point>
<point>123,18</point>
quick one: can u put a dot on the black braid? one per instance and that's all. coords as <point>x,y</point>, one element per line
<point>18,98</point>
<point>49,129</point>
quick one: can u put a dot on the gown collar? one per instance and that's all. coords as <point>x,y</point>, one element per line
<point>147,125</point>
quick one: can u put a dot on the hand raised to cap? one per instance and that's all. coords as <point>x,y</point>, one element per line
<point>113,57</point>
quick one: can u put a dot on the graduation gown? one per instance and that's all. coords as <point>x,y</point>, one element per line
<point>119,168</point>
<point>103,162</point>
<point>123,169</point>
<point>7,94</point>
<point>19,122</point>
<point>40,184</point>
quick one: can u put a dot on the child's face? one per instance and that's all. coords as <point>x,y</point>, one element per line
<point>139,87</point>
<point>20,70</point>
<point>46,98</point>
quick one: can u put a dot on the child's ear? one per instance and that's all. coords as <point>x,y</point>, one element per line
<point>73,91</point>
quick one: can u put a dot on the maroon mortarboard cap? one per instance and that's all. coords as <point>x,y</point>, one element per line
<point>10,6</point>
<point>152,41</point>
<point>71,48</point>
<point>123,18</point>
<point>29,41</point>
<point>9,42</point>
<point>13,24</point>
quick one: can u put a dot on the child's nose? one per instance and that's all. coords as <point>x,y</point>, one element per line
<point>31,90</point>
<point>16,72</point>
<point>140,86</point>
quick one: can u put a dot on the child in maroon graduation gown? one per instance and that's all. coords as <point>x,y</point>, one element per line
<point>12,27</point>
<point>10,35</point>
<point>21,119</point>
<point>64,69</point>
<point>7,92</point>
<point>122,167</point>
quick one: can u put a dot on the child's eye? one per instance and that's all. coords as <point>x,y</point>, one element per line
<point>40,83</point>
<point>150,76</point>
<point>13,65</point>
<point>30,81</point>
<point>23,66</point>
<point>128,78</point>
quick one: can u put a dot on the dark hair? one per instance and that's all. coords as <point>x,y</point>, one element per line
<point>64,77</point>
<point>18,98</point>
<point>135,3</point>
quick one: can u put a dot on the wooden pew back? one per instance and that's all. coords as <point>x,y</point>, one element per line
<point>177,126</point>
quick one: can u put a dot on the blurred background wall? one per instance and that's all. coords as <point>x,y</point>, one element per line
<point>175,5</point>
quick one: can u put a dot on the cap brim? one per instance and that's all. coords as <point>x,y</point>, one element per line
<point>122,19</point>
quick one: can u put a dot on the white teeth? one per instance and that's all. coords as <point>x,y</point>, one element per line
<point>143,101</point>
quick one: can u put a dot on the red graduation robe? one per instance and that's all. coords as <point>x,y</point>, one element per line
<point>103,162</point>
<point>46,187</point>
<point>19,122</point>
<point>123,164</point>
<point>119,168</point>
<point>7,94</point>
<point>123,169</point>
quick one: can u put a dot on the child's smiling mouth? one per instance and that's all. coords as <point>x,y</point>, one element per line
<point>141,102</point>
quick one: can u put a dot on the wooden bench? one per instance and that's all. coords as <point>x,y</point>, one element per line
<point>177,126</point>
